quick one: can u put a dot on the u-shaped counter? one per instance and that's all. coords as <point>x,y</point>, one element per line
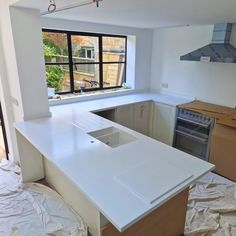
<point>117,190</point>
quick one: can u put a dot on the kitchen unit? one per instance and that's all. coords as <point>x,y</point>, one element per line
<point>133,116</point>
<point>142,117</point>
<point>222,138</point>
<point>154,119</point>
<point>223,151</point>
<point>163,123</point>
<point>102,181</point>
<point>125,116</point>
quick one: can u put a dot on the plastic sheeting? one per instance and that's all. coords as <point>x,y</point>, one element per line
<point>33,209</point>
<point>211,207</point>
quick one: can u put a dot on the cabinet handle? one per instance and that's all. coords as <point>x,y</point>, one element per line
<point>202,140</point>
<point>194,122</point>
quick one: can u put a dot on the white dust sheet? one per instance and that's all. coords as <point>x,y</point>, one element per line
<point>33,209</point>
<point>211,207</point>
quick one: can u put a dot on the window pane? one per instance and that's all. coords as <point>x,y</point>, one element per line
<point>113,49</point>
<point>85,49</point>
<point>113,74</point>
<point>58,77</point>
<point>86,76</point>
<point>55,47</point>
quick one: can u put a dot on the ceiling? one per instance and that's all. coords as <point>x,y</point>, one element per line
<point>145,13</point>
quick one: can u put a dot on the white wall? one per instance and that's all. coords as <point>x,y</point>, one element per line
<point>23,91</point>
<point>143,39</point>
<point>6,105</point>
<point>211,82</point>
<point>9,84</point>
<point>26,28</point>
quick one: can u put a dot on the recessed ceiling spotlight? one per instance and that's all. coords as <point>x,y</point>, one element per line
<point>52,8</point>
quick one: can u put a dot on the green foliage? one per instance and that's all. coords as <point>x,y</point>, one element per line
<point>54,75</point>
<point>58,51</point>
<point>50,44</point>
<point>49,51</point>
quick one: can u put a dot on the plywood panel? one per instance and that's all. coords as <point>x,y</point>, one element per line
<point>167,220</point>
<point>223,151</point>
<point>209,109</point>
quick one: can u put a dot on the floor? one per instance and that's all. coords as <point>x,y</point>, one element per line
<point>2,148</point>
<point>211,207</point>
<point>33,209</point>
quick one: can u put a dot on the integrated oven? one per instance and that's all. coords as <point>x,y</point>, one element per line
<point>193,133</point>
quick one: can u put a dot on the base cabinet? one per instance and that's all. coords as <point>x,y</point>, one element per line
<point>167,220</point>
<point>135,116</point>
<point>163,123</point>
<point>142,117</point>
<point>156,120</point>
<point>125,116</point>
<point>223,151</point>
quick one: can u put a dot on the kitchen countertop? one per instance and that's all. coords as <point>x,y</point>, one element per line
<point>98,170</point>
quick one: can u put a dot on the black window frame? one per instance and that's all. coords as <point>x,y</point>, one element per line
<point>4,132</point>
<point>71,64</point>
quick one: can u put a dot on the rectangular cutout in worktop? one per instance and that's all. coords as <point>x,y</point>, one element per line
<point>107,114</point>
<point>113,137</point>
<point>152,179</point>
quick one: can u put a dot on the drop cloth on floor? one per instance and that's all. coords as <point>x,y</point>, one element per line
<point>211,207</point>
<point>33,209</point>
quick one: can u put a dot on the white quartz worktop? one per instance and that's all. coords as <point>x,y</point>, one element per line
<point>116,101</point>
<point>95,167</point>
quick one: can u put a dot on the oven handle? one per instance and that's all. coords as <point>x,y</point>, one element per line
<point>202,140</point>
<point>193,122</point>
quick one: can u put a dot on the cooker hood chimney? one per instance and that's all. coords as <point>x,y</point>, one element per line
<point>219,50</point>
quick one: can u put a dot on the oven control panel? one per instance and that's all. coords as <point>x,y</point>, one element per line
<point>194,116</point>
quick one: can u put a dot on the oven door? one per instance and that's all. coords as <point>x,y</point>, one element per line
<point>192,139</point>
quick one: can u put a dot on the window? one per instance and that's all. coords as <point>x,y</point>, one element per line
<point>84,61</point>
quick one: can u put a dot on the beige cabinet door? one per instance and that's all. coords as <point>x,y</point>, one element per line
<point>142,117</point>
<point>163,123</point>
<point>125,116</point>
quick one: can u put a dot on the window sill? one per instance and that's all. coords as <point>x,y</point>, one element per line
<point>86,96</point>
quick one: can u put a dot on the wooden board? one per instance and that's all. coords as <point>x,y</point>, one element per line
<point>223,151</point>
<point>167,220</point>
<point>208,109</point>
<point>228,121</point>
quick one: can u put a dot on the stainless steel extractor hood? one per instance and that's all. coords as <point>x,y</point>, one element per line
<point>219,50</point>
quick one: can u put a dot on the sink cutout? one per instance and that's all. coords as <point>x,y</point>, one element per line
<point>112,136</point>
